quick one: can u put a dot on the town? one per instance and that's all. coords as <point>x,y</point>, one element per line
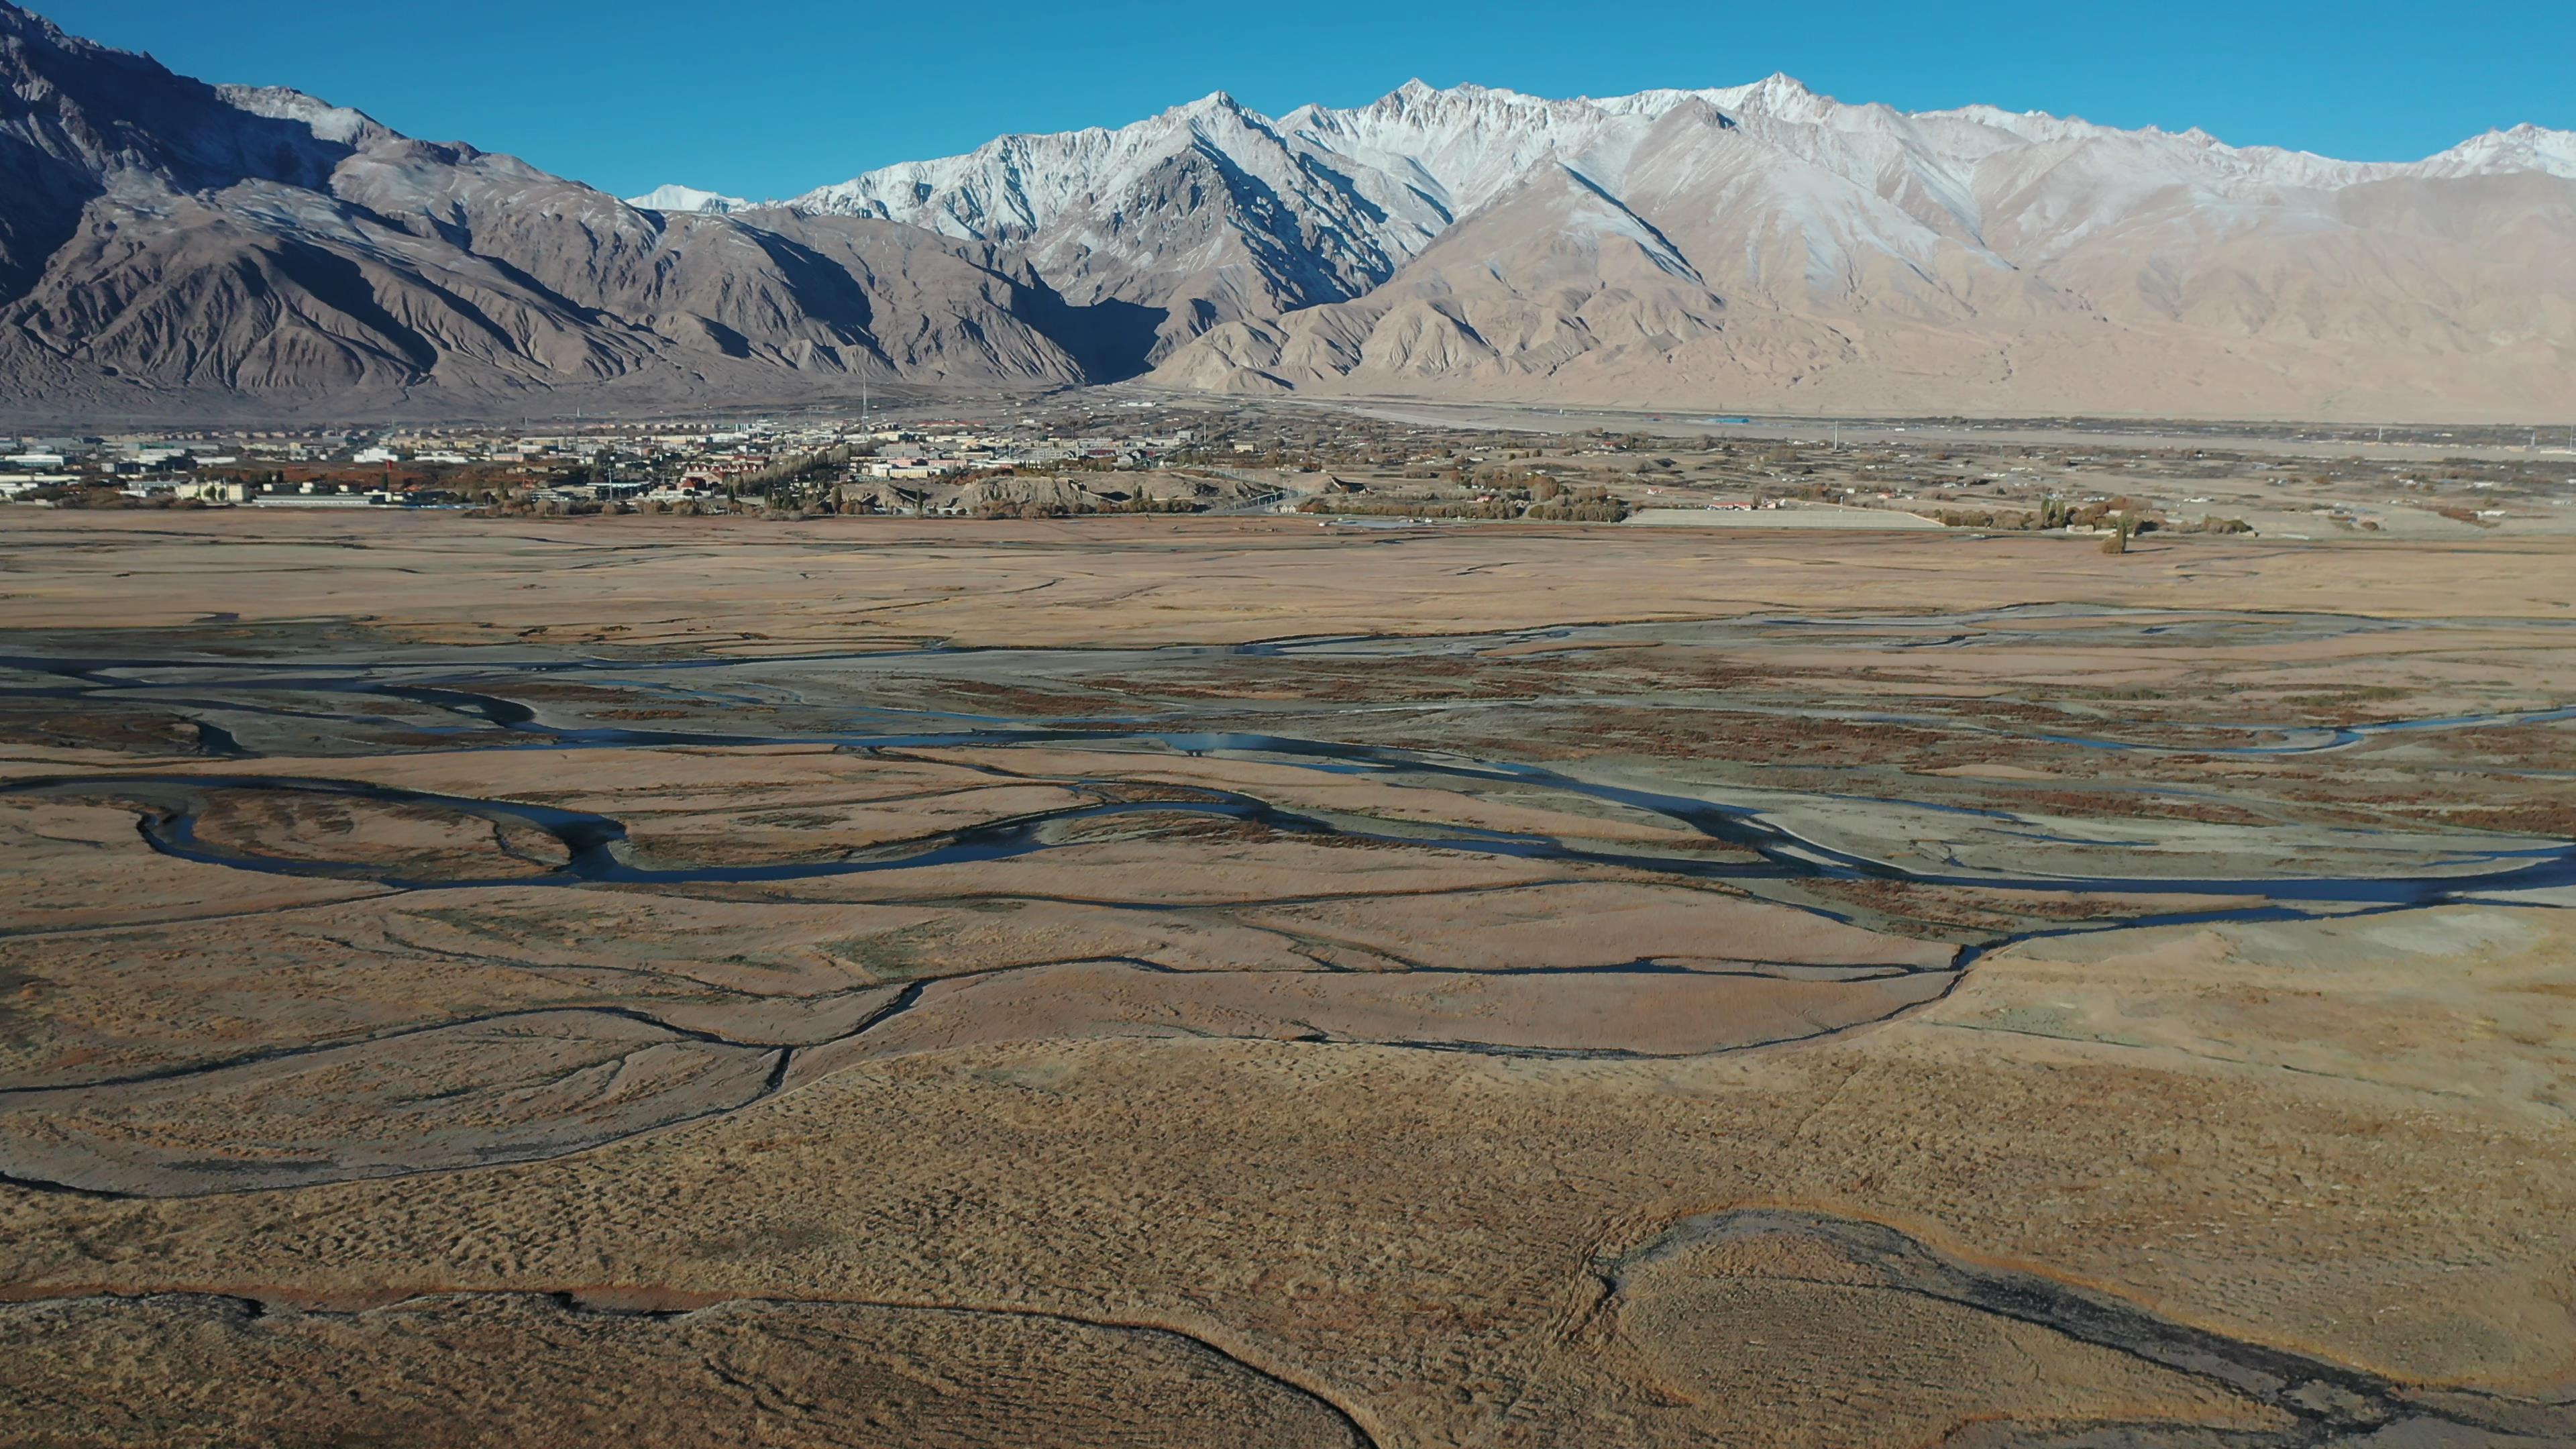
<point>933,467</point>
<point>1059,458</point>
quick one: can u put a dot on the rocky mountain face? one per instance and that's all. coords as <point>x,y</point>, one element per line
<point>1763,246</point>
<point>168,246</point>
<point>1203,215</point>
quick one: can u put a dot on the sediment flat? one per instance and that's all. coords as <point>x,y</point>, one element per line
<point>1182,981</point>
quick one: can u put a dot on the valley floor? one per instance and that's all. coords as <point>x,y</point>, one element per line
<point>1211,981</point>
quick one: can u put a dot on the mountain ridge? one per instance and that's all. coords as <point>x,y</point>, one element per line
<point>1816,254</point>
<point>177,247</point>
<point>182,248</point>
<point>2524,145</point>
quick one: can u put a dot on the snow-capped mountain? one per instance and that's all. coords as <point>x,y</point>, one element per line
<point>687,198</point>
<point>1417,159</point>
<point>1200,215</point>
<point>1795,248</point>
<point>167,242</point>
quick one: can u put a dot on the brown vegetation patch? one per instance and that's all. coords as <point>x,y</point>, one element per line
<point>2136,805</point>
<point>2555,819</point>
<point>128,731</point>
<point>445,1372</point>
<point>422,841</point>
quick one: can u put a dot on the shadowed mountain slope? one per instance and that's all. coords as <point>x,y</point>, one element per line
<point>173,246</point>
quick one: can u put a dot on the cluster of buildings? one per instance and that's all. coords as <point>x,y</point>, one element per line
<point>31,464</point>
<point>930,466</point>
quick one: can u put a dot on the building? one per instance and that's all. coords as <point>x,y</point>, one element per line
<point>313,500</point>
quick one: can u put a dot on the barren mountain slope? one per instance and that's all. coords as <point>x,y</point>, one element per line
<point>173,247</point>
<point>1198,216</point>
<point>1810,254</point>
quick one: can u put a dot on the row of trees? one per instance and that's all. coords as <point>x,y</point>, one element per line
<point>1555,505</point>
<point>2124,517</point>
<point>1052,508</point>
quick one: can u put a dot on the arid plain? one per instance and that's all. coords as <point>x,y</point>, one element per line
<point>1194,982</point>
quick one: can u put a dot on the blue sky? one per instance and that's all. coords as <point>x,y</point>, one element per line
<point>767,98</point>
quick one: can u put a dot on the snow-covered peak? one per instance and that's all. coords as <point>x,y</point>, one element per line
<point>1777,94</point>
<point>1387,177</point>
<point>1213,103</point>
<point>340,124</point>
<point>1460,147</point>
<point>1459,137</point>
<point>686,198</point>
<point>2523,148</point>
<point>1016,185</point>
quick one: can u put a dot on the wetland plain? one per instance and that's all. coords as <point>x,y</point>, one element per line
<point>1179,982</point>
